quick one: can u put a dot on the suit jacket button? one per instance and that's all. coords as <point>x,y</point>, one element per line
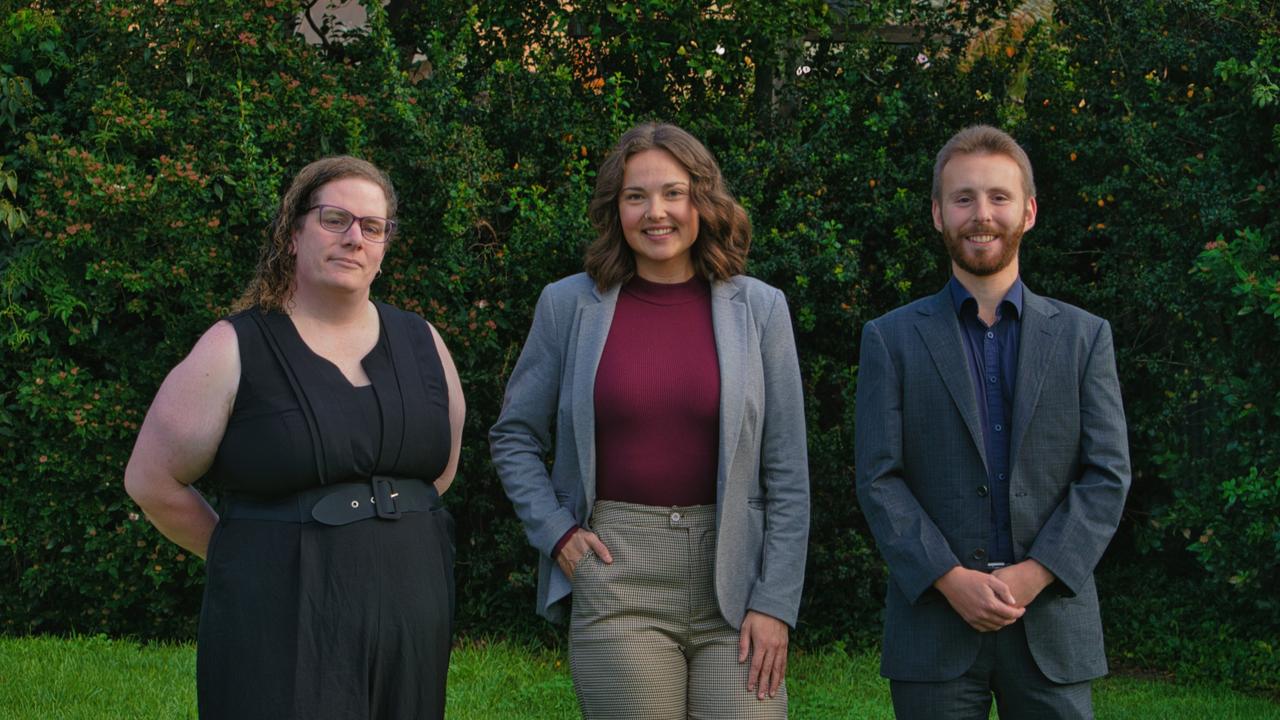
<point>982,491</point>
<point>979,554</point>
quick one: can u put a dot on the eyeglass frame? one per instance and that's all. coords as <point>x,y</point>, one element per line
<point>389,230</point>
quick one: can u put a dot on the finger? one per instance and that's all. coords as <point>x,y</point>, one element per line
<point>766,677</point>
<point>1005,614</point>
<point>758,653</point>
<point>779,670</point>
<point>1002,591</point>
<point>598,546</point>
<point>744,643</point>
<point>986,620</point>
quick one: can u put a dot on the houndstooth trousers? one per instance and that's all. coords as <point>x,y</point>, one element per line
<point>646,638</point>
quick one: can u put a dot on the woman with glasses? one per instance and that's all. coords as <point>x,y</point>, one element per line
<point>676,511</point>
<point>330,424</point>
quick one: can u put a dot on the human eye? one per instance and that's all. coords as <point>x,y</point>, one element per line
<point>632,196</point>
<point>335,219</point>
<point>373,228</point>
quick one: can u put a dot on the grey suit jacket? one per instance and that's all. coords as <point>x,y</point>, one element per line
<point>921,477</point>
<point>762,481</point>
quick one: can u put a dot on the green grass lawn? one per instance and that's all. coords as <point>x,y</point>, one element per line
<point>52,679</point>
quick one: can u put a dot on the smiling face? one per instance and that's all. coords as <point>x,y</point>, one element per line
<point>658,218</point>
<point>982,212</point>
<point>343,262</point>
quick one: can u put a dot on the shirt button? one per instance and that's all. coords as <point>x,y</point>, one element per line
<point>982,491</point>
<point>999,428</point>
<point>979,554</point>
<point>675,517</point>
<point>1001,476</point>
<point>990,334</point>
<point>991,378</point>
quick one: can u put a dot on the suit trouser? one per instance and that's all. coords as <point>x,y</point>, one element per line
<point>1005,668</point>
<point>647,639</point>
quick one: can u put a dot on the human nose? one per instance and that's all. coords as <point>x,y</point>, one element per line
<point>354,234</point>
<point>655,210</point>
<point>983,209</point>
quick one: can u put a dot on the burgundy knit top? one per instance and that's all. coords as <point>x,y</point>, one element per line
<point>657,397</point>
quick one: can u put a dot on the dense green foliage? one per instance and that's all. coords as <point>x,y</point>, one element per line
<point>143,145</point>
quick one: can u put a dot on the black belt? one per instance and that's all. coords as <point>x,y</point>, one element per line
<point>382,497</point>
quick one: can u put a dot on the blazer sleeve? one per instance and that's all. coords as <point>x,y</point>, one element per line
<point>1071,542</point>
<point>784,472</point>
<point>914,548</point>
<point>520,439</point>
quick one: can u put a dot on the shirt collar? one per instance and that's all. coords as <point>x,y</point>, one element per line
<point>960,297</point>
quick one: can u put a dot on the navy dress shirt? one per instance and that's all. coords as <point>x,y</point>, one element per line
<point>992,352</point>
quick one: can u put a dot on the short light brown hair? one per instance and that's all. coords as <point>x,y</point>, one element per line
<point>724,230</point>
<point>272,284</point>
<point>983,140</point>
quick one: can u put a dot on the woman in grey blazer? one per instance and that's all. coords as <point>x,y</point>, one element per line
<point>663,389</point>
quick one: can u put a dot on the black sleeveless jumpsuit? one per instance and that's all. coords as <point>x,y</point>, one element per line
<point>304,620</point>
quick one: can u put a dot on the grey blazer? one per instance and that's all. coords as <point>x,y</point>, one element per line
<point>762,482</point>
<point>921,479</point>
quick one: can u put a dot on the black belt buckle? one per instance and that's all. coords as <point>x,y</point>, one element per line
<point>384,498</point>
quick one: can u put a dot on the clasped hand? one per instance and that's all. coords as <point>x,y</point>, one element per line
<point>990,601</point>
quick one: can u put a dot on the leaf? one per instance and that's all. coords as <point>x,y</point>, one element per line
<point>43,75</point>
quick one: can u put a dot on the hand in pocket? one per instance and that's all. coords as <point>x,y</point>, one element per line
<point>576,550</point>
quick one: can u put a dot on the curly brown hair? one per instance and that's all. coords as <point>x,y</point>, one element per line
<point>273,280</point>
<point>724,230</point>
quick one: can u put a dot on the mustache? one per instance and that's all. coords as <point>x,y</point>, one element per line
<point>984,230</point>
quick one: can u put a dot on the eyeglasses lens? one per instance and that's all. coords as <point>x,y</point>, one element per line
<point>338,220</point>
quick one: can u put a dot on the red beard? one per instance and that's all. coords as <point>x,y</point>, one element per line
<point>979,260</point>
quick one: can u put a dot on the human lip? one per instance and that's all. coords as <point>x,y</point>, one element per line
<point>347,262</point>
<point>658,231</point>
<point>982,236</point>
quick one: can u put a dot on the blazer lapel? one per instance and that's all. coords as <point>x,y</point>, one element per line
<point>941,334</point>
<point>595,316</point>
<point>1036,346</point>
<point>730,324</point>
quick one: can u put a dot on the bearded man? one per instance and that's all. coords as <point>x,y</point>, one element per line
<point>992,463</point>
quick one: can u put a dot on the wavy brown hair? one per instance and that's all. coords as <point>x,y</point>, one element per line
<point>273,280</point>
<point>724,230</point>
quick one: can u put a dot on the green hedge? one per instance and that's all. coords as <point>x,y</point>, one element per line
<point>143,145</point>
